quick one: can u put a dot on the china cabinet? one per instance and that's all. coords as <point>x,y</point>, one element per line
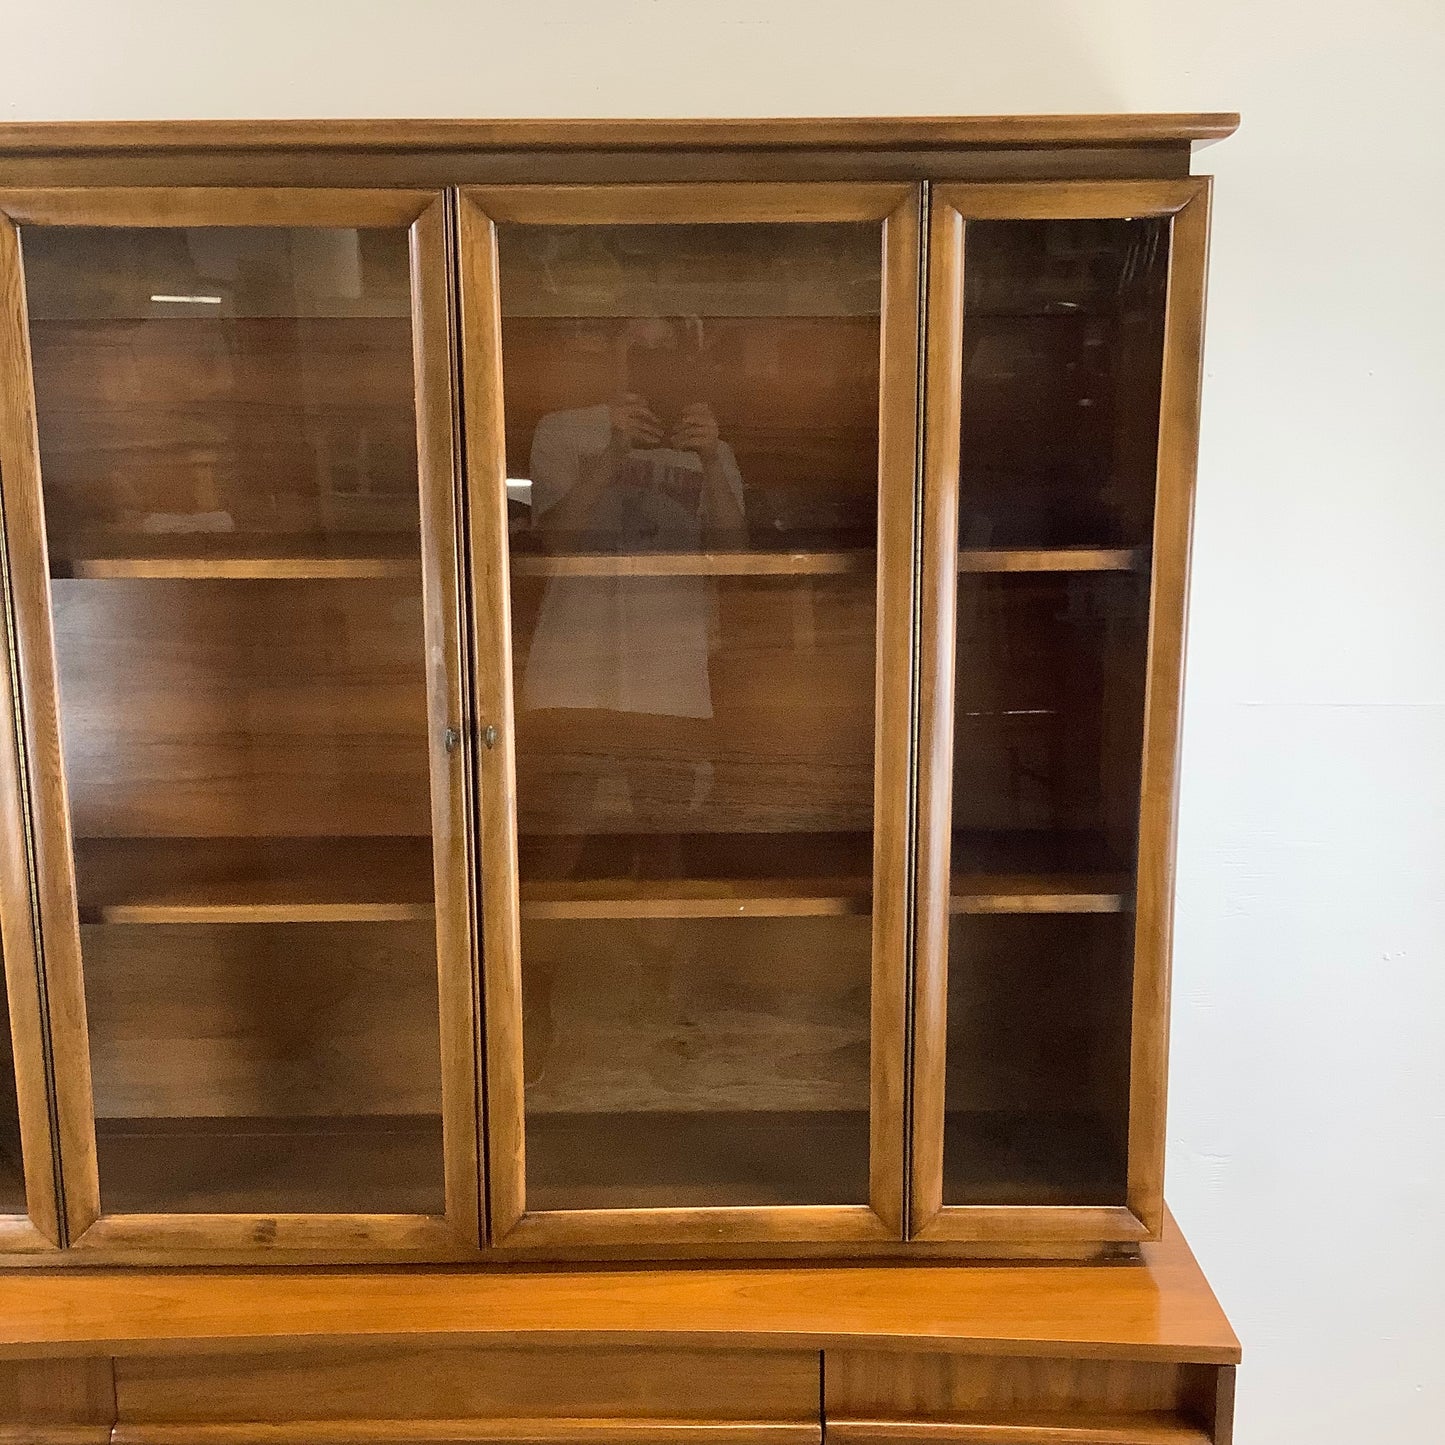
<point>597,691</point>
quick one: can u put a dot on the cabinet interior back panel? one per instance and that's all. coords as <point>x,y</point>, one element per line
<point>243,708</point>
<point>778,737</point>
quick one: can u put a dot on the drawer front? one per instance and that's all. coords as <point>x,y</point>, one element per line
<point>464,1432</point>
<point>1060,1430</point>
<point>878,1398</point>
<point>56,1402</point>
<point>355,1395</point>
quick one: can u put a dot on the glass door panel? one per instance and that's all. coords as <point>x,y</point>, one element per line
<point>692,439</point>
<point>228,449</point>
<point>12,1168</point>
<point>1063,346</point>
<point>682,1062</point>
<point>1063,326</point>
<point>739,363</point>
<point>29,1222</point>
<point>1050,489</point>
<point>691,431</point>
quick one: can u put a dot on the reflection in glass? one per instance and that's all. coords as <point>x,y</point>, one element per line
<point>726,367</point>
<point>226,392</point>
<point>692,439</point>
<point>1063,346</point>
<point>228,451</point>
<point>690,1062</point>
<point>1063,337</point>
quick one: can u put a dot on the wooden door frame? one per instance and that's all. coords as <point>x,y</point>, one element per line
<point>896,206</point>
<point>53,957</point>
<point>40,1226</point>
<point>1185,202</point>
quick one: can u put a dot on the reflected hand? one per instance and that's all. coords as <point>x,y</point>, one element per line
<point>633,423</point>
<point>696,431</point>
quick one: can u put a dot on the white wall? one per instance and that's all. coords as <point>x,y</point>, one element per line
<point>1308,1120</point>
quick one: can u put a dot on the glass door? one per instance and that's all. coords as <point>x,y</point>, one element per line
<point>691,429</point>
<point>237,623</point>
<point>1065,325</point>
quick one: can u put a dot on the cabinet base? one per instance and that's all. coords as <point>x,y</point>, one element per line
<point>1135,1353</point>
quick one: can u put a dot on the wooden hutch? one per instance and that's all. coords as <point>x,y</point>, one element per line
<point>587,775</point>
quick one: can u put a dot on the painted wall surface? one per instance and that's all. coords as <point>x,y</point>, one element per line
<point>1307,1136</point>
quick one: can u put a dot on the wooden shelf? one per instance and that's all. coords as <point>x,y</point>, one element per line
<point>254,880</point>
<point>1037,871</point>
<point>704,875</point>
<point>709,875</point>
<point>188,560</point>
<point>1054,559</point>
<point>845,562</point>
<point>852,562</point>
<point>372,1164</point>
<point>1040,893</point>
<point>229,556</point>
<point>699,1159</point>
<point>800,875</point>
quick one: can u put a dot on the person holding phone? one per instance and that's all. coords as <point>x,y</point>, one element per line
<point>646,471</point>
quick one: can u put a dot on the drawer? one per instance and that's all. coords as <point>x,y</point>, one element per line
<point>412,1395</point>
<point>888,1398</point>
<point>56,1402</point>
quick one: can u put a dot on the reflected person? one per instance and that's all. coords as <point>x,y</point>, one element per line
<point>643,473</point>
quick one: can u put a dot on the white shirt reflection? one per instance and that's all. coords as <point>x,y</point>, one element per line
<point>625,643</point>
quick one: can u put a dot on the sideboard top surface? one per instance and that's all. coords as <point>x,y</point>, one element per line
<point>1160,1307</point>
<point>73,137</point>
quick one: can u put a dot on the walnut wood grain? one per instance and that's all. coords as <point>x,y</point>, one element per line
<point>480,343</point>
<point>1158,1309</point>
<point>23,1052</point>
<point>354,1006</point>
<point>317,1165</point>
<point>254,880</point>
<point>898,486</point>
<point>1161,160</point>
<point>205,206</point>
<point>523,1430</point>
<point>52,137</point>
<point>231,558</point>
<point>1178,450</point>
<point>56,1402</point>
<point>1022,1430</point>
<point>727,875</point>
<point>938,567</point>
<point>449,738</point>
<point>43,835</point>
<point>387,890</point>
<point>583,1387</point>
<point>954,206</point>
<point>857,563</point>
<point>881,1385</point>
<point>887,776</point>
<point>426,710</point>
<point>1053,559</point>
<point>778,203</point>
<point>48,1434</point>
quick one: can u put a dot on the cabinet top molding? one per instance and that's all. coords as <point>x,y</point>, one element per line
<point>884,133</point>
